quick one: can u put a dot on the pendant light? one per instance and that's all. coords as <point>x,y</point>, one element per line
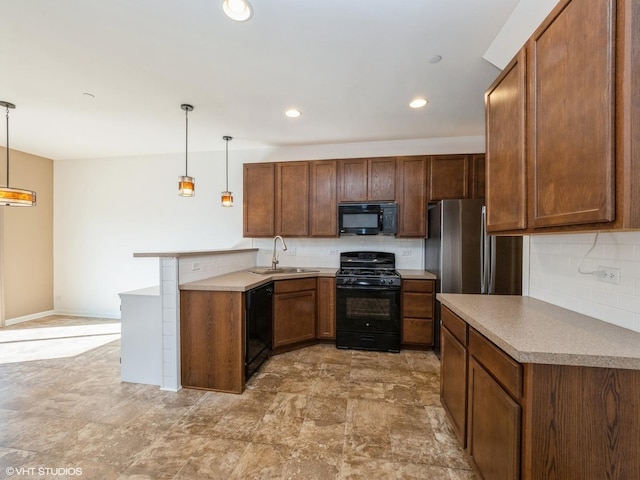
<point>186,184</point>
<point>227,196</point>
<point>14,197</point>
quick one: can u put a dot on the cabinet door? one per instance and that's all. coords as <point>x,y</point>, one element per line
<point>352,179</point>
<point>477,180</point>
<point>453,383</point>
<point>327,308</point>
<point>449,177</point>
<point>571,74</point>
<point>382,179</point>
<point>292,199</point>
<point>506,174</point>
<point>494,427</point>
<point>294,317</point>
<point>258,206</point>
<point>412,196</point>
<point>323,209</point>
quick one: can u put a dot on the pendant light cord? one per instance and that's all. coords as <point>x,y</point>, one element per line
<point>7,146</point>
<point>227,165</point>
<point>186,142</point>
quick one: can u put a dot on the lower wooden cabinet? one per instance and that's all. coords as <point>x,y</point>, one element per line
<point>536,421</point>
<point>326,308</point>
<point>417,312</point>
<point>212,340</point>
<point>453,384</point>
<point>294,311</point>
<point>494,421</point>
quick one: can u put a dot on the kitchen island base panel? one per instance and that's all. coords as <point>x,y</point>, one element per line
<point>212,340</point>
<point>584,423</point>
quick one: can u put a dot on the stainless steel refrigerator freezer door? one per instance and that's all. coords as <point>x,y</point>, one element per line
<point>461,257</point>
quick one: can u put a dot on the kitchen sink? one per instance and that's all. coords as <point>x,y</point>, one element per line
<point>283,270</point>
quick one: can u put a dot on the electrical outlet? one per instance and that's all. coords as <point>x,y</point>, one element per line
<point>406,252</point>
<point>609,275</point>
<point>195,266</point>
<point>292,252</point>
<point>333,251</point>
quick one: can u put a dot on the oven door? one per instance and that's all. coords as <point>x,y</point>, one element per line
<point>368,318</point>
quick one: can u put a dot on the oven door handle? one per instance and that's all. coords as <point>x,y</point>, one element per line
<point>369,288</point>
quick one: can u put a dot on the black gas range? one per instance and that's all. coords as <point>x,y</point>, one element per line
<point>368,302</point>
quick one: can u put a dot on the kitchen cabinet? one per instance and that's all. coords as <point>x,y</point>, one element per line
<point>212,340</point>
<point>258,206</point>
<point>477,180</point>
<point>494,416</point>
<point>292,199</point>
<point>535,421</point>
<point>294,312</point>
<point>453,366</point>
<point>582,117</point>
<point>367,179</point>
<point>323,205</point>
<point>412,196</point>
<point>417,312</point>
<point>571,115</point>
<point>449,177</point>
<point>506,187</point>
<point>326,308</point>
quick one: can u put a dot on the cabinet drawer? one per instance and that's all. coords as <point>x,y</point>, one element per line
<point>418,286</point>
<point>417,305</point>
<point>505,369</point>
<point>417,331</point>
<point>285,286</point>
<point>455,325</point>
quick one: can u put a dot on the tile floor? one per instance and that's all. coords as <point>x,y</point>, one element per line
<point>316,413</point>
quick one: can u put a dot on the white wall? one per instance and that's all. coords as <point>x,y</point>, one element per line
<point>554,275</point>
<point>107,209</point>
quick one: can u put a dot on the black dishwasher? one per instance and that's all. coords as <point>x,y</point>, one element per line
<point>258,327</point>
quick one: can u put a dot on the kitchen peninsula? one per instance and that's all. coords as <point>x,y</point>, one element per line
<point>536,391</point>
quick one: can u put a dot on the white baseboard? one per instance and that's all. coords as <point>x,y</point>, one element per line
<point>26,318</point>
<point>35,316</point>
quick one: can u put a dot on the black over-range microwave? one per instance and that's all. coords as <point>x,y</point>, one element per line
<point>367,218</point>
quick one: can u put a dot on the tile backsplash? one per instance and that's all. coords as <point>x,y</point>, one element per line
<point>325,252</point>
<point>554,276</point>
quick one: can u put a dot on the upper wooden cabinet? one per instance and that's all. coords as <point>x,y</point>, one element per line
<point>367,179</point>
<point>412,196</point>
<point>580,130</point>
<point>571,66</point>
<point>449,177</point>
<point>258,200</point>
<point>292,199</point>
<point>477,180</point>
<point>323,206</point>
<point>506,194</point>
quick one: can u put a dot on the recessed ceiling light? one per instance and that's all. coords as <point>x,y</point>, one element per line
<point>418,102</point>
<point>435,59</point>
<point>293,113</point>
<point>238,10</point>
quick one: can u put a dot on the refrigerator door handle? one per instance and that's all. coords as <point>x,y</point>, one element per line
<point>484,253</point>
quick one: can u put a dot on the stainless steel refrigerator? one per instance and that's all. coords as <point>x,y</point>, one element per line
<point>467,260</point>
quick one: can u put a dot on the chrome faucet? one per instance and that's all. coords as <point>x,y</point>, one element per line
<point>274,258</point>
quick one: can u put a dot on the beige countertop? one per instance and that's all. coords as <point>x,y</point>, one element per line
<point>194,253</point>
<point>416,274</point>
<point>244,280</point>
<point>533,331</point>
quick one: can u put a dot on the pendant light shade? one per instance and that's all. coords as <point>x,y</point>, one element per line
<point>186,184</point>
<point>14,197</point>
<point>226,199</point>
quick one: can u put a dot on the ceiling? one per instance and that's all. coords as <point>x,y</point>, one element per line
<point>351,67</point>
